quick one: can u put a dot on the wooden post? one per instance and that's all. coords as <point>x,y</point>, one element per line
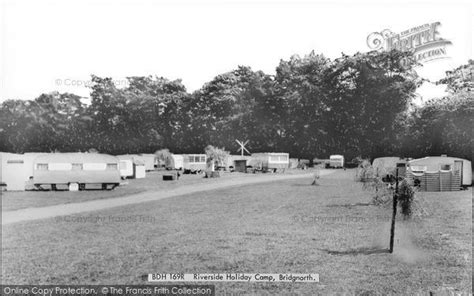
<point>394,213</point>
<point>316,177</point>
<point>439,180</point>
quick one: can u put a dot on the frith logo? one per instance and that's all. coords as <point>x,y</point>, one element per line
<point>423,41</point>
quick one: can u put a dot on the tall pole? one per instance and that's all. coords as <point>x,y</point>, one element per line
<point>394,213</point>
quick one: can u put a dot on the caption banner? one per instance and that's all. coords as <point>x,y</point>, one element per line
<point>235,277</point>
<point>63,290</point>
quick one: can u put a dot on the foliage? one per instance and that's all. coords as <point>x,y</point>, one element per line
<point>216,156</point>
<point>382,191</point>
<point>357,105</point>
<point>442,126</point>
<point>164,156</point>
<point>366,174</point>
<point>460,79</point>
<point>406,196</point>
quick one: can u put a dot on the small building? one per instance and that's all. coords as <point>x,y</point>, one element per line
<point>232,159</point>
<point>270,160</point>
<point>86,170</point>
<point>240,165</point>
<point>139,169</point>
<point>139,166</point>
<point>195,162</point>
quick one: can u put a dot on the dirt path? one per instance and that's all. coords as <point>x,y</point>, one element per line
<point>29,214</point>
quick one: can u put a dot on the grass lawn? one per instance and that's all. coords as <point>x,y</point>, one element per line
<point>285,226</point>
<point>16,200</point>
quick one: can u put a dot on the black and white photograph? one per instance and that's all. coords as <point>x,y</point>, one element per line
<point>236,147</point>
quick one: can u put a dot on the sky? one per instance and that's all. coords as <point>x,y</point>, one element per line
<point>56,45</point>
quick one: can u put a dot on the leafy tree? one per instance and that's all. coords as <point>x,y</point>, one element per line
<point>444,125</point>
<point>216,156</point>
<point>139,118</point>
<point>460,79</point>
<point>164,156</point>
<point>224,109</point>
<point>366,93</point>
<point>300,94</point>
<point>51,122</point>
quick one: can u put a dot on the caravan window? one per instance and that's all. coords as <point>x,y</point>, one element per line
<point>197,158</point>
<point>42,166</point>
<point>15,161</point>
<point>77,167</point>
<point>445,167</point>
<point>94,166</point>
<point>112,166</point>
<point>60,166</point>
<point>278,158</point>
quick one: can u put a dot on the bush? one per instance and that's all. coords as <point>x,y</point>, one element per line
<point>406,196</point>
<point>216,156</point>
<point>164,156</point>
<point>382,191</point>
<point>365,172</point>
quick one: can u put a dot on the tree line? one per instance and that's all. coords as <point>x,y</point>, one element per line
<point>358,105</point>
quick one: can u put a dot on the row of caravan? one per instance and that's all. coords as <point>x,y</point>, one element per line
<point>266,160</point>
<point>60,170</point>
<point>101,171</point>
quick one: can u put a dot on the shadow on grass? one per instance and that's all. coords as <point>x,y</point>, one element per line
<point>359,204</point>
<point>360,251</point>
<point>304,185</point>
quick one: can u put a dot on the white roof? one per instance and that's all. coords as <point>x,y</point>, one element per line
<point>76,157</point>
